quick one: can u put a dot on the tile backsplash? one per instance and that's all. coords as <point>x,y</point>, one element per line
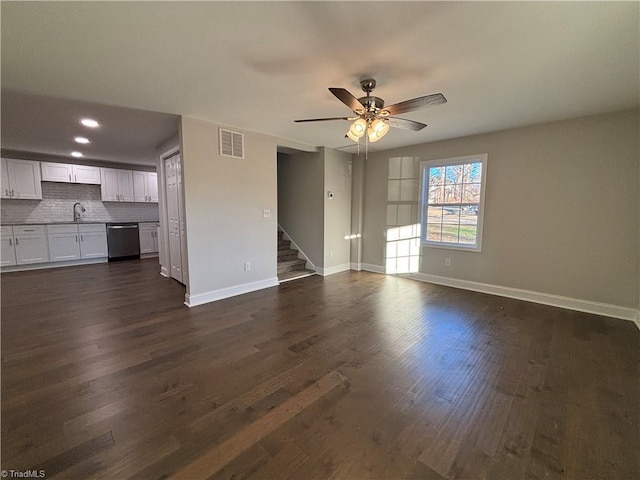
<point>57,206</point>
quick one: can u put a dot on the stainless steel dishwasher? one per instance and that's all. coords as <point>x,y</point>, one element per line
<point>123,240</point>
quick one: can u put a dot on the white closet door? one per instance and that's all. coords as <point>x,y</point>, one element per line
<point>173,208</point>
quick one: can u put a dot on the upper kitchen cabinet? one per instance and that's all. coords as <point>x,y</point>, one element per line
<point>145,187</point>
<point>67,173</point>
<point>21,179</point>
<point>117,185</point>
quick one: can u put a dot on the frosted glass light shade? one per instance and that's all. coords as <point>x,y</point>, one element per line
<point>358,128</point>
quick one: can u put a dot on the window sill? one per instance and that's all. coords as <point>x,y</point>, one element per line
<point>462,248</point>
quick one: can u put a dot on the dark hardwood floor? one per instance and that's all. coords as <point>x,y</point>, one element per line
<point>105,374</point>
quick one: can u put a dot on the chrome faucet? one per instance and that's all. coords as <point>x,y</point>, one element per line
<point>76,214</point>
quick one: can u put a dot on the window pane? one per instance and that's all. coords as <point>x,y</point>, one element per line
<point>473,172</point>
<point>452,194</point>
<point>469,215</point>
<point>436,176</point>
<point>453,174</point>
<point>434,232</point>
<point>468,234</point>
<point>434,214</point>
<point>436,194</point>
<point>471,193</point>
<point>451,215</point>
<point>450,233</point>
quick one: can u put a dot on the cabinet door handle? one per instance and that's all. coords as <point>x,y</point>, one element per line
<point>6,191</point>
<point>75,178</point>
<point>76,238</point>
<point>81,238</point>
<point>10,243</point>
<point>69,177</point>
<point>16,240</point>
<point>12,193</point>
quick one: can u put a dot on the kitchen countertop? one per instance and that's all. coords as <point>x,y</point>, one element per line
<point>71,222</point>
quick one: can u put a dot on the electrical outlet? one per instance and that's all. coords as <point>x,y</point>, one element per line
<point>447,262</point>
<point>266,213</point>
<point>247,266</point>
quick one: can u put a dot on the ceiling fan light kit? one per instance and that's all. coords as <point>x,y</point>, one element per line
<point>372,117</point>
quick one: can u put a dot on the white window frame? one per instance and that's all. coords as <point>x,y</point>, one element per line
<point>425,165</point>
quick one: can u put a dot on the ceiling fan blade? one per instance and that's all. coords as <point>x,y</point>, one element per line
<point>321,119</point>
<point>404,123</point>
<point>349,100</point>
<point>415,104</point>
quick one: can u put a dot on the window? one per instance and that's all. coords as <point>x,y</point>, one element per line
<point>452,202</point>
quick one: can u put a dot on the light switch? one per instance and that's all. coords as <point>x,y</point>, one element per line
<point>266,213</point>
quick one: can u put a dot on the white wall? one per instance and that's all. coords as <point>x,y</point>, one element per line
<point>224,202</point>
<point>561,214</point>
<point>337,210</point>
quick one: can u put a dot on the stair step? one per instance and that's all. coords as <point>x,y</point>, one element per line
<point>284,244</point>
<point>280,235</point>
<point>295,274</point>
<point>287,255</point>
<point>290,265</point>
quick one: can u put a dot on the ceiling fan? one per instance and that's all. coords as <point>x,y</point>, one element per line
<point>372,117</point>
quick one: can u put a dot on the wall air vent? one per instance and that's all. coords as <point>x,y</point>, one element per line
<point>231,143</point>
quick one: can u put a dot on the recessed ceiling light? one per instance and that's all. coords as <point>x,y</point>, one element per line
<point>89,122</point>
<point>76,154</point>
<point>81,140</point>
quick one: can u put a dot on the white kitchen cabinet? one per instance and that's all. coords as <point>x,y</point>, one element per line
<point>116,185</point>
<point>148,237</point>
<point>68,173</point>
<point>86,174</point>
<point>8,252</point>
<point>21,179</point>
<point>30,244</point>
<point>93,240</point>
<point>75,241</point>
<point>64,242</point>
<point>145,187</point>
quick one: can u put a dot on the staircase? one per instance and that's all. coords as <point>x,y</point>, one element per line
<point>290,267</point>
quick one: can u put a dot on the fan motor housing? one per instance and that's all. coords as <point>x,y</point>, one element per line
<point>371,103</point>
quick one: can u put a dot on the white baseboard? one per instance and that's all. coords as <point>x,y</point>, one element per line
<point>212,296</point>
<point>356,266</point>
<point>164,272</point>
<point>331,270</point>
<point>588,306</point>
<point>370,267</point>
<point>309,265</point>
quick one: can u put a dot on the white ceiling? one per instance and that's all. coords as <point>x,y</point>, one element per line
<point>260,65</point>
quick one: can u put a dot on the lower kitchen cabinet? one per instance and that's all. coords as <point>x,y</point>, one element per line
<point>8,252</point>
<point>148,237</point>
<point>93,240</point>
<point>73,241</point>
<point>24,245</point>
